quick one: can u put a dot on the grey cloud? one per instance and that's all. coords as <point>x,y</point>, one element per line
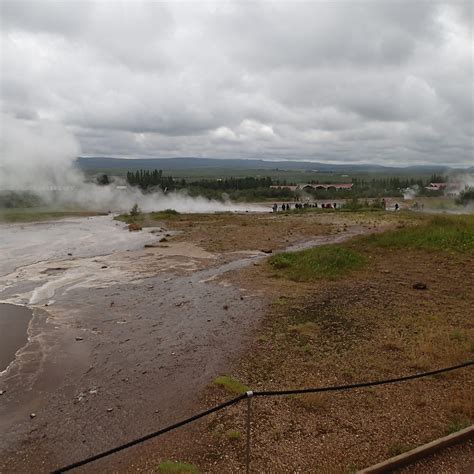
<point>317,34</point>
<point>62,18</point>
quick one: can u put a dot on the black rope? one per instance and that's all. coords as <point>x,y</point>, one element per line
<point>256,394</point>
<point>149,436</point>
<point>271,393</point>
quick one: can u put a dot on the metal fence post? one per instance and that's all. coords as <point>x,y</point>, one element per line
<point>249,415</point>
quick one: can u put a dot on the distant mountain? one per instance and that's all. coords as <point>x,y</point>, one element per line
<point>166,164</point>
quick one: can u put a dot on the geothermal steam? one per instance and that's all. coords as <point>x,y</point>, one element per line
<point>39,158</point>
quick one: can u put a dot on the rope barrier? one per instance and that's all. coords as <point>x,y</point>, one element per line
<point>272,393</point>
<point>149,436</point>
<point>249,394</point>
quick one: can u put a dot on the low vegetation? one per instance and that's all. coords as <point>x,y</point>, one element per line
<point>446,233</point>
<point>457,424</point>
<point>39,214</point>
<point>14,199</point>
<point>329,261</point>
<point>230,384</point>
<point>177,467</point>
<point>148,219</point>
<point>233,435</point>
<point>466,196</point>
<point>397,449</point>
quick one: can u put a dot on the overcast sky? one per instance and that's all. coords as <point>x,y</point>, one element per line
<point>385,82</point>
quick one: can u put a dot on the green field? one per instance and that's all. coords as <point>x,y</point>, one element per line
<point>39,214</point>
<point>294,176</point>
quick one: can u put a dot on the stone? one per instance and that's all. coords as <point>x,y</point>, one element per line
<point>133,227</point>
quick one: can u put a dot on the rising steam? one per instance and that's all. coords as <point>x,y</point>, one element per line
<point>39,158</point>
<point>411,192</point>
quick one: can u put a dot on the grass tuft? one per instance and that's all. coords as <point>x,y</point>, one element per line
<point>397,449</point>
<point>308,329</point>
<point>457,424</point>
<point>328,261</point>
<point>234,435</point>
<point>179,467</point>
<point>230,384</point>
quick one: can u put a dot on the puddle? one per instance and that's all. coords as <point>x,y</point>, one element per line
<point>14,322</point>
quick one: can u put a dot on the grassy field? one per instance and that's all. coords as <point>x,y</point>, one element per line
<point>440,233</point>
<point>329,261</point>
<point>39,214</point>
<point>296,175</point>
<point>446,233</point>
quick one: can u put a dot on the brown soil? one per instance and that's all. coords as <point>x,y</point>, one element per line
<point>367,326</point>
<point>241,232</point>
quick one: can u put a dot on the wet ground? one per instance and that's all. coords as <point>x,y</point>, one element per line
<point>14,322</point>
<point>123,337</point>
<point>126,358</point>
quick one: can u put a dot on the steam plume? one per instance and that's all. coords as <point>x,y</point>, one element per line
<point>39,158</point>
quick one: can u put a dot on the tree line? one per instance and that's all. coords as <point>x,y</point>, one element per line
<point>148,179</point>
<point>254,188</point>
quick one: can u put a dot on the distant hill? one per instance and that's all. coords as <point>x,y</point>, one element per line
<point>165,164</point>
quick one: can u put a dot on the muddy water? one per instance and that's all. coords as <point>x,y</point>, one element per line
<point>14,322</point>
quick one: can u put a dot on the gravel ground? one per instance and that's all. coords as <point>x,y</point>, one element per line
<point>457,459</point>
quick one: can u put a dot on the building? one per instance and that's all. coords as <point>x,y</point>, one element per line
<point>302,187</point>
<point>436,186</point>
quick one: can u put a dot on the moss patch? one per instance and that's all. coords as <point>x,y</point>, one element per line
<point>230,384</point>
<point>172,466</point>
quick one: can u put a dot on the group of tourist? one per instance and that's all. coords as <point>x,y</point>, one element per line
<point>299,205</point>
